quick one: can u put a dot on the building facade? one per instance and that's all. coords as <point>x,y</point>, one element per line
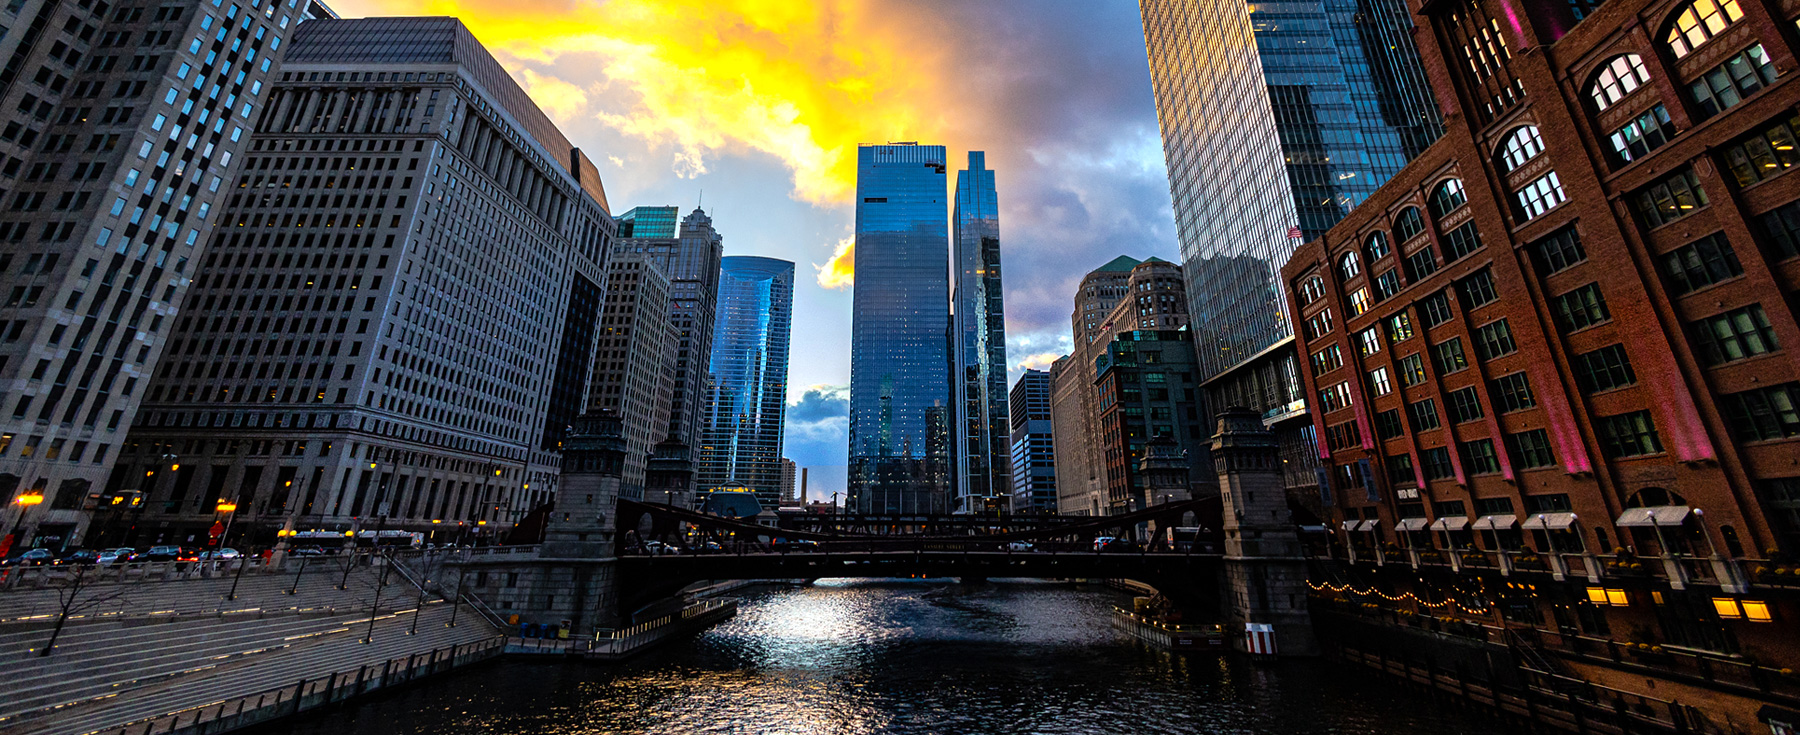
<point>126,123</point>
<point>634,354</point>
<point>406,276</point>
<point>1033,445</point>
<point>1146,389</point>
<point>983,464</point>
<point>1553,347</point>
<point>689,255</point>
<point>1275,123</point>
<point>900,388</point>
<point>746,405</point>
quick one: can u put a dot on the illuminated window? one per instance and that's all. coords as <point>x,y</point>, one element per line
<point>1596,595</point>
<point>1757,611</point>
<point>1621,76</point>
<point>1699,22</point>
<point>1523,145</point>
<point>1617,598</point>
<point>1726,608</point>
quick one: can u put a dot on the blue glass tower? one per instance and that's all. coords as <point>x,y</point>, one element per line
<point>746,405</point>
<point>900,333</point>
<point>983,466</point>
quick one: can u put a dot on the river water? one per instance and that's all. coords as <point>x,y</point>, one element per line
<point>885,656</point>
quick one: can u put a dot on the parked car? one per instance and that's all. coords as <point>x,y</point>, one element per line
<point>308,551</point>
<point>120,555</point>
<point>710,547</point>
<point>163,553</point>
<point>1020,546</point>
<point>81,556</point>
<point>1113,544</point>
<point>31,558</point>
<point>219,555</point>
<point>799,545</point>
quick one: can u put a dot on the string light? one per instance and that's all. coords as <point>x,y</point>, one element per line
<point>1395,598</point>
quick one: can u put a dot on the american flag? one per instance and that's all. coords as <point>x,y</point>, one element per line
<point>1294,233</point>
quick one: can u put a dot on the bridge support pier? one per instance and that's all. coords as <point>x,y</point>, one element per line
<point>1265,565</point>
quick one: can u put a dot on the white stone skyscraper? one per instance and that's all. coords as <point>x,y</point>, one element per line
<point>983,461</point>
<point>398,321</point>
<point>125,127</point>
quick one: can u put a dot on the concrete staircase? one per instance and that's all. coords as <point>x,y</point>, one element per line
<point>166,647</point>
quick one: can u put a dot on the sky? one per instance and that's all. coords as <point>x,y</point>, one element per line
<point>755,108</point>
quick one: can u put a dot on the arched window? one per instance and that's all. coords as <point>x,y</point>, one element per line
<point>1621,76</point>
<point>1699,22</point>
<point>1348,267</point>
<point>1653,497</point>
<point>1409,224</point>
<point>1376,247</point>
<point>1447,197</point>
<point>1523,145</point>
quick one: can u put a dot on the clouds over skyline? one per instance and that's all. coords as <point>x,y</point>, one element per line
<point>761,104</point>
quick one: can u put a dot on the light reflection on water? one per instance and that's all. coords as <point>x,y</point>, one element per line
<point>847,657</point>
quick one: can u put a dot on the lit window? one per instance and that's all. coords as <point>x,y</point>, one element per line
<point>1596,595</point>
<point>1523,145</point>
<point>1757,611</point>
<point>1621,76</point>
<point>1726,608</point>
<point>1539,196</point>
<point>1617,598</point>
<point>1699,22</point>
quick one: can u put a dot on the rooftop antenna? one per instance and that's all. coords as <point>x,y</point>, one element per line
<point>702,204</point>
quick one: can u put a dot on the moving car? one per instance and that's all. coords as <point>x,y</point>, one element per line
<point>798,545</point>
<point>1113,544</point>
<point>161,553</point>
<point>219,555</point>
<point>120,555</point>
<point>81,556</point>
<point>308,551</point>
<point>31,558</point>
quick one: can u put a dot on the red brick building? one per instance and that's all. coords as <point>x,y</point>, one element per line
<point>1561,344</point>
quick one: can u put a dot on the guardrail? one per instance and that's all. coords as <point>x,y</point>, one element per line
<point>270,704</point>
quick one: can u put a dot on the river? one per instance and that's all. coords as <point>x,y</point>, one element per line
<point>886,656</point>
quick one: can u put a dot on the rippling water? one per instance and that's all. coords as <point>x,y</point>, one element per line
<point>867,656</point>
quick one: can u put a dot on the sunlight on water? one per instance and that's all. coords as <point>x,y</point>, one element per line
<point>848,657</point>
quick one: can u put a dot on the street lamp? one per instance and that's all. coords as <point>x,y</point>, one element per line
<point>25,502</point>
<point>229,509</point>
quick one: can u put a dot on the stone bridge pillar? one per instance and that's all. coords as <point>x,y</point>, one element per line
<point>1265,567</point>
<point>572,580</point>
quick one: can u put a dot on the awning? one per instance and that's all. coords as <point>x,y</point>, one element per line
<point>1411,524</point>
<point>1369,525</point>
<point>1495,523</point>
<point>1450,523</point>
<point>1661,515</point>
<point>1549,521</point>
<point>1350,525</point>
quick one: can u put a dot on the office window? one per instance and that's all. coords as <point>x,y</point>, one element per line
<point>1369,341</point>
<point>1420,264</point>
<point>1379,382</point>
<point>1435,308</point>
<point>1465,405</point>
<point>1411,369</point>
<point>1387,284</point>
<point>1327,360</point>
<point>1645,133</point>
<point>1763,154</point>
<point>1734,335</point>
<point>1512,392</point>
<point>1701,263</point>
<point>1621,76</point>
<point>1558,252</point>
<point>1783,229</point>
<point>1449,356</point>
<point>1763,413</point>
<point>1424,414</point>
<point>1376,247</point>
<point>1629,434</point>
<point>1724,86</point>
<point>1580,308</point>
<point>1409,224</point>
<point>1698,22</point>
<point>1539,196</point>
<point>1463,241</point>
<point>1348,267</point>
<point>1436,463</point>
<point>1478,289</point>
<point>1522,145</point>
<point>1493,340</point>
<point>1603,369</point>
<point>1675,196</point>
<point>1388,425</point>
<point>1399,327</point>
<point>1447,197</point>
<point>1359,302</point>
<point>1311,289</point>
<point>1342,436</point>
<point>1400,470</point>
<point>1531,449</point>
<point>1479,457</point>
<point>1335,397</point>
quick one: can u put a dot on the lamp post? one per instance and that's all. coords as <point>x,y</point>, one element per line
<point>25,503</point>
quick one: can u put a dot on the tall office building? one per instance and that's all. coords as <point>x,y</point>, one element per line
<point>406,282</point>
<point>1033,446</point>
<point>983,466</point>
<point>746,405</point>
<point>689,256</point>
<point>1274,124</point>
<point>124,125</point>
<point>900,333</point>
<point>632,361</point>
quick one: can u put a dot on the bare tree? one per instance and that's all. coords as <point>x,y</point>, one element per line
<point>72,601</point>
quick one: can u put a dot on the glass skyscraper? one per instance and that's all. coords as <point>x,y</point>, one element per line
<point>900,333</point>
<point>983,465</point>
<point>740,440</point>
<point>1275,115</point>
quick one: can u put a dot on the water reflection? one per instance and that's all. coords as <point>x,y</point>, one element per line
<point>847,657</point>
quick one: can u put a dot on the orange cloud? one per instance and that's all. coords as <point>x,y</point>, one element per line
<point>1039,361</point>
<point>840,271</point>
<point>803,82</point>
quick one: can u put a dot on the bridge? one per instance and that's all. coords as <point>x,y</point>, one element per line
<point>1062,550</point>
